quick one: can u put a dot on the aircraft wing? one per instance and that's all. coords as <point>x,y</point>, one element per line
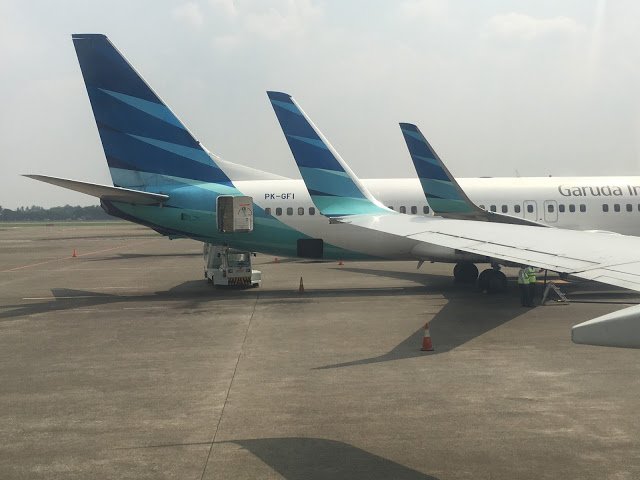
<point>604,257</point>
<point>105,192</point>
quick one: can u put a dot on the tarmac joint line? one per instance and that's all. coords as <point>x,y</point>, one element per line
<point>233,376</point>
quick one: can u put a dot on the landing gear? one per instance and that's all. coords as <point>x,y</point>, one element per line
<point>492,280</point>
<point>465,272</point>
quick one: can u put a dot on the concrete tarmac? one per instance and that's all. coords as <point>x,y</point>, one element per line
<point>124,363</point>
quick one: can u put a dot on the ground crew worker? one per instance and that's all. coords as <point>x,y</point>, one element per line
<point>523,286</point>
<point>531,274</point>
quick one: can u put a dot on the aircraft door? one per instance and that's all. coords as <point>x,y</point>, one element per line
<point>530,210</point>
<point>234,213</point>
<point>550,211</point>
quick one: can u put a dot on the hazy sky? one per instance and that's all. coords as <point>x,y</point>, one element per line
<point>536,87</point>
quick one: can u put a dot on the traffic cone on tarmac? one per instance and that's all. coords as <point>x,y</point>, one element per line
<point>74,254</point>
<point>427,345</point>
<point>301,287</point>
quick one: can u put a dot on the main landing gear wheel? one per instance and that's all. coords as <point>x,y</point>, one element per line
<point>492,281</point>
<point>465,272</point>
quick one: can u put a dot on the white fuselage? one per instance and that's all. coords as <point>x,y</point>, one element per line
<point>578,203</point>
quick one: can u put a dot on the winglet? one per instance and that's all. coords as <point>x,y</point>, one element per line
<point>333,187</point>
<point>440,187</point>
<point>443,192</point>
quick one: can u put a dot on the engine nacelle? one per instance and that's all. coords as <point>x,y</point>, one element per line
<point>616,329</point>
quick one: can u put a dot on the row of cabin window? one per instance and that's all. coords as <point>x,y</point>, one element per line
<point>550,208</point>
<point>413,210</point>
<point>312,211</point>
<point>617,207</point>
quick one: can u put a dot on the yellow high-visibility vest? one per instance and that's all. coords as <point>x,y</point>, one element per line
<point>531,274</point>
<point>523,276</point>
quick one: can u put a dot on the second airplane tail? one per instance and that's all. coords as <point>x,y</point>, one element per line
<point>333,187</point>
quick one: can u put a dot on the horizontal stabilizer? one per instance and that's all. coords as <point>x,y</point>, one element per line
<point>104,192</point>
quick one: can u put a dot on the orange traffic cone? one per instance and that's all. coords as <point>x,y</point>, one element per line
<point>301,287</point>
<point>340,262</point>
<point>74,254</point>
<point>275,260</point>
<point>427,345</point>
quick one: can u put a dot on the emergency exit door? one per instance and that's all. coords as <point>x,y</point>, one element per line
<point>530,210</point>
<point>550,211</point>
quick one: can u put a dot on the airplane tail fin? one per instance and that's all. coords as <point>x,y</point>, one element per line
<point>333,187</point>
<point>146,145</point>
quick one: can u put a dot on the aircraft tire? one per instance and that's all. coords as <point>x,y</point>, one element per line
<point>497,282</point>
<point>465,272</point>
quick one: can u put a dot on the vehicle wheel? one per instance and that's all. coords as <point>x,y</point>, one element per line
<point>465,272</point>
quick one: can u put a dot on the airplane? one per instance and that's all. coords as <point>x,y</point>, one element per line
<point>167,180</point>
<point>610,259</point>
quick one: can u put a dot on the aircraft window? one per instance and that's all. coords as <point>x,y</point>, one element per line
<point>629,207</point>
<point>516,208</point>
<point>492,208</point>
<point>300,210</point>
<point>605,207</point>
<point>267,211</point>
<point>505,209</point>
<point>583,207</point>
<point>530,208</point>
<point>572,208</point>
<point>616,207</point>
<point>312,211</point>
<point>425,209</point>
<point>561,208</point>
<point>391,208</point>
<point>414,210</point>
<point>403,209</point>
<point>289,210</point>
<point>482,206</point>
<point>278,211</point>
<point>550,208</point>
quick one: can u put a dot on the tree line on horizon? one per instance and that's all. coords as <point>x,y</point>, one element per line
<point>40,214</point>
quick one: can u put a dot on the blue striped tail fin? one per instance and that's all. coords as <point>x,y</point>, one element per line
<point>145,144</point>
<point>443,193</point>
<point>333,187</point>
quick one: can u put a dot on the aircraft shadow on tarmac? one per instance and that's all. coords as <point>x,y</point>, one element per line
<point>466,315</point>
<point>128,256</point>
<point>319,459</point>
<point>194,293</point>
